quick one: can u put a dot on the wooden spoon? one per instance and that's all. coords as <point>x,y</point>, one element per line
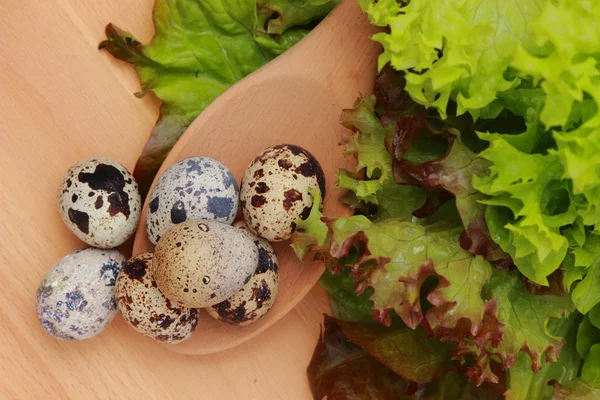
<point>297,99</point>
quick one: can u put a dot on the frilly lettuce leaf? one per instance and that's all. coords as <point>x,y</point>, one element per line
<point>529,196</point>
<point>367,144</point>
<point>566,34</point>
<point>199,50</point>
<point>525,384</point>
<point>583,271</point>
<point>312,231</point>
<point>525,318</point>
<point>579,153</point>
<point>453,50</point>
<point>488,313</point>
<point>407,253</point>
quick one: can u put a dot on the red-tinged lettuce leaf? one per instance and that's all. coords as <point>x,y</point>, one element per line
<point>409,353</point>
<point>575,390</point>
<point>524,318</point>
<point>373,182</point>
<point>398,257</point>
<point>452,173</point>
<point>341,370</point>
<point>524,384</point>
<point>460,314</point>
<point>389,91</point>
<point>199,50</point>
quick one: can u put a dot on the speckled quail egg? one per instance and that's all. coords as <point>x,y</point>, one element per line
<point>100,202</point>
<point>274,190</point>
<point>146,309</point>
<point>201,263</point>
<point>257,297</point>
<point>75,300</point>
<point>193,188</point>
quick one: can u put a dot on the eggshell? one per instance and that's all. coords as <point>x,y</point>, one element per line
<point>146,309</point>
<point>274,190</point>
<point>191,189</point>
<point>257,297</point>
<point>100,202</point>
<point>75,300</point>
<point>201,263</point>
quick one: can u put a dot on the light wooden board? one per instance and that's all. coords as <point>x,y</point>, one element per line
<point>62,100</point>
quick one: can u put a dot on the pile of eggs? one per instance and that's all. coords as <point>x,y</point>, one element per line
<point>202,259</point>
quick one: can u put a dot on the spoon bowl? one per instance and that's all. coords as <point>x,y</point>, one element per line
<point>297,98</point>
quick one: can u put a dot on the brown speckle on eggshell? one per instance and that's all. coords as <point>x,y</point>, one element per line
<point>258,295</point>
<point>201,263</point>
<point>274,190</point>
<point>146,309</point>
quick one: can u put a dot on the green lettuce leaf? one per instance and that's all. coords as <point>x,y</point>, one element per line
<point>578,151</point>
<point>594,316</point>
<point>275,17</point>
<point>590,372</point>
<point>453,50</point>
<point>531,203</point>
<point>525,384</point>
<point>198,51</point>
<point>583,268</point>
<point>587,336</point>
<point>311,232</point>
<point>368,145</point>
<point>564,57</point>
<point>344,303</point>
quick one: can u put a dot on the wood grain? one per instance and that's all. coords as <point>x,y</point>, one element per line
<point>61,100</point>
<point>297,99</point>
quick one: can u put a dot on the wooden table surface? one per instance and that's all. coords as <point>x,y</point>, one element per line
<point>62,100</point>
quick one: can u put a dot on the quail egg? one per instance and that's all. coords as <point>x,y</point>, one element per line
<point>257,297</point>
<point>146,309</point>
<point>75,300</point>
<point>100,202</point>
<point>274,191</point>
<point>201,263</point>
<point>193,188</point>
